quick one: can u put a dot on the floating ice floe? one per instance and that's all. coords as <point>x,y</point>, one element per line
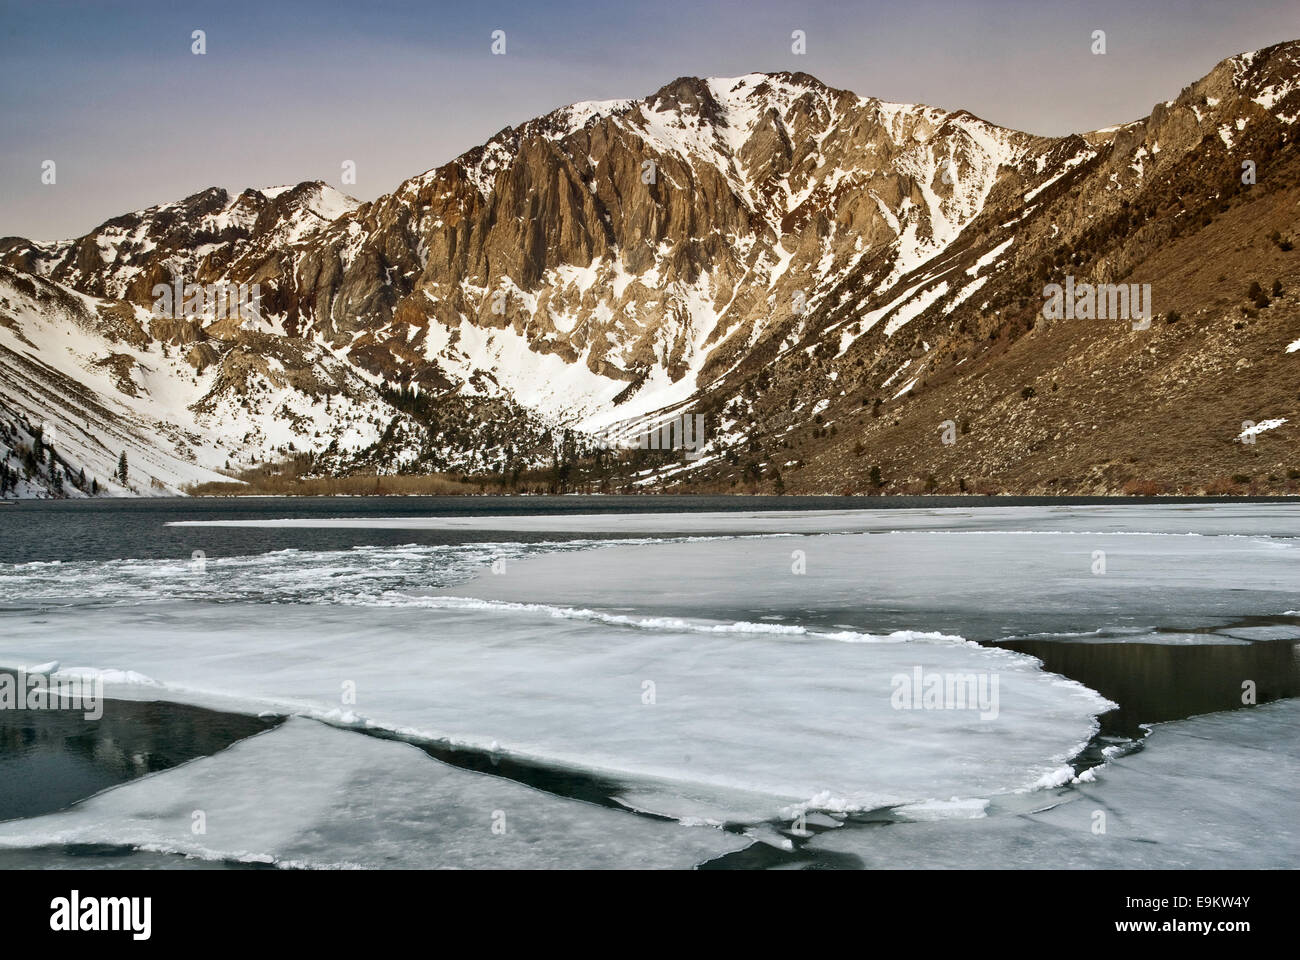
<point>1204,793</point>
<point>308,795</point>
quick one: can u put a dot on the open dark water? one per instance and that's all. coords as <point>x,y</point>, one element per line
<point>49,759</point>
<point>48,530</point>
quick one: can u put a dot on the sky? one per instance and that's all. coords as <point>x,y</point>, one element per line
<point>113,93</point>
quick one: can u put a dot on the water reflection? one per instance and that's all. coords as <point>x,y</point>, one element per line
<point>1155,681</point>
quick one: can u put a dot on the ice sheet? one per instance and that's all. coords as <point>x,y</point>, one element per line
<point>731,678</point>
<point>306,794</point>
<point>1206,519</point>
<point>741,723</point>
<point>980,585</point>
<point>1217,791</point>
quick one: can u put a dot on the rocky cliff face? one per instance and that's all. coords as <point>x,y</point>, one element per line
<point>827,278</point>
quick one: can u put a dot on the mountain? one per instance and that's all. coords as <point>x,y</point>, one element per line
<point>850,292</point>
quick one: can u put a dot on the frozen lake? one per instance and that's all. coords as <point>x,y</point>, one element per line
<point>566,686</point>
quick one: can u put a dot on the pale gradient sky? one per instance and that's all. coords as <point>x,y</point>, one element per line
<point>287,91</point>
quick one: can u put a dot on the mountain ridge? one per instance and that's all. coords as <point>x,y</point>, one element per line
<point>783,233</point>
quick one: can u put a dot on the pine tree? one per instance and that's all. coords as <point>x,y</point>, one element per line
<point>121,469</point>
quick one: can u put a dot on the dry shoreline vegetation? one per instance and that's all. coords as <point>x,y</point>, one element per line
<point>360,485</point>
<point>585,477</point>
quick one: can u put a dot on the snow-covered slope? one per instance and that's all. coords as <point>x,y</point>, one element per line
<point>85,375</point>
